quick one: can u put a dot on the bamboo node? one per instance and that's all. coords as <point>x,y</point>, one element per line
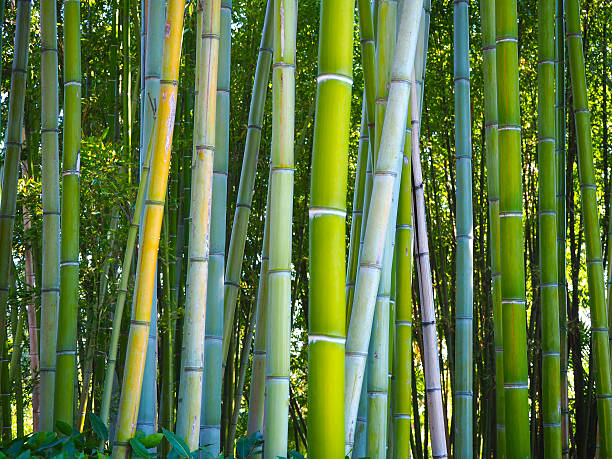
<point>313,338</point>
<point>508,127</point>
<point>66,352</point>
<point>335,76</point>
<point>433,389</point>
<point>377,393</point>
<point>140,322</point>
<point>547,139</point>
<point>212,36</point>
<point>574,35</point>
<point>195,369</point>
<point>404,323</point>
<point>517,386</point>
<point>45,130</point>
<point>152,202</point>
<point>542,62</point>
<point>7,216</point>
<point>50,212</point>
<point>550,354</point>
<point>506,39</point>
<point>319,211</point>
<point>254,126</point>
<point>356,354</point>
<point>50,289</point>
<point>233,284</point>
<point>594,260</point>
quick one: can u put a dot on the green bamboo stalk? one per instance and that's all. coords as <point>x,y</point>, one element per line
<point>464,265</point>
<point>487,12</point>
<point>402,361</point>
<point>547,231</point>
<point>327,215</point>
<point>369,271</point>
<point>255,422</point>
<point>368,54</point>
<point>8,199</point>
<point>511,232</point>
<point>190,390</point>
<point>385,48</point>
<point>51,209</point>
<point>561,213</point>
<point>153,213</point>
<point>69,252</point>
<point>210,420</point>
<point>281,216</point>
<point>247,178</point>
<point>433,385</point>
<point>599,324</point>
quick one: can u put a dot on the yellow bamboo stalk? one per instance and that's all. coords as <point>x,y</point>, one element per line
<point>153,214</point>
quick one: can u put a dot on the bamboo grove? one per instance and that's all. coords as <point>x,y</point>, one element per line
<point>328,228</point>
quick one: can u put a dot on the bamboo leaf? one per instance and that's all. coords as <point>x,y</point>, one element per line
<point>138,448</point>
<point>63,428</point>
<point>151,441</point>
<point>177,443</point>
<point>98,426</point>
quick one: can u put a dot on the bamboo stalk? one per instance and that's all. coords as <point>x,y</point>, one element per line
<point>327,223</point>
<point>464,265</point>
<point>369,271</point>
<point>511,232</point>
<point>153,213</point>
<point>560,119</point>
<point>247,177</point>
<point>281,218</point>
<point>430,340</point>
<point>210,421</point>
<point>547,231</point>
<point>69,252</point>
<point>154,19</point>
<point>255,422</point>
<point>588,194</point>
<point>123,286</point>
<point>32,319</point>
<point>190,389</point>
<point>8,200</point>
<point>487,12</point>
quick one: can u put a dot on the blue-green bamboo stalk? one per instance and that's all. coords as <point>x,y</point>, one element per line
<point>464,296</point>
<point>210,419</point>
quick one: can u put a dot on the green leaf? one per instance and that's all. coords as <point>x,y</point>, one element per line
<point>151,441</point>
<point>138,448</point>
<point>63,428</point>
<point>139,434</point>
<point>98,426</point>
<point>293,454</point>
<point>177,443</point>
<point>24,455</point>
<point>244,445</point>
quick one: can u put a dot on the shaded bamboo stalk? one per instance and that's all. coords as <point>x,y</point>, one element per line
<point>247,177</point>
<point>32,319</point>
<point>560,119</point>
<point>255,422</point>
<point>369,271</point>
<point>8,200</point>
<point>153,213</point>
<point>588,195</point>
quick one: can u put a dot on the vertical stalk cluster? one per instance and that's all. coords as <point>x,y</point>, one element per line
<point>369,271</point>
<point>551,372</point>
<point>210,422</point>
<point>327,215</point>
<point>153,213</point>
<point>588,195</point>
